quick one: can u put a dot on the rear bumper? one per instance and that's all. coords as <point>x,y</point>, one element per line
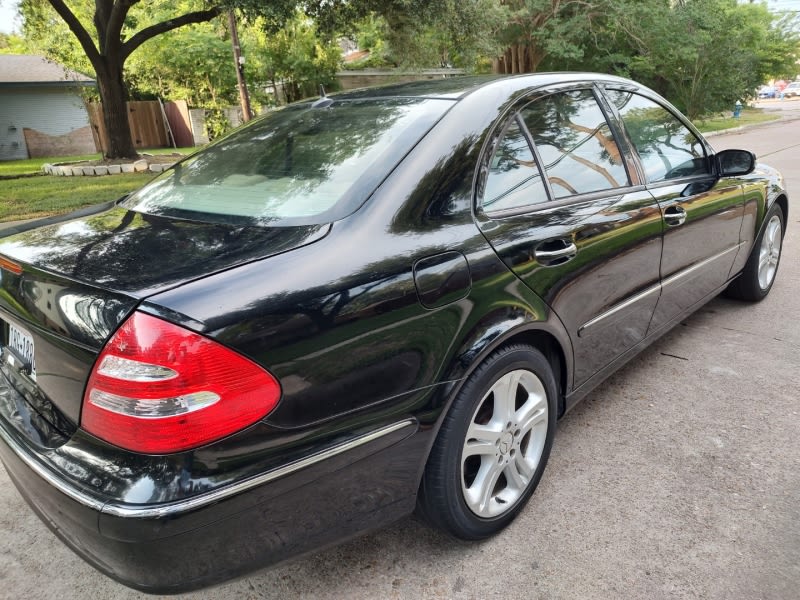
<point>321,500</point>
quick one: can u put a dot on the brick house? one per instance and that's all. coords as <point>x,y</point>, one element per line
<point>42,112</point>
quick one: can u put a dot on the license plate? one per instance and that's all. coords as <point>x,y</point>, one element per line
<point>22,344</point>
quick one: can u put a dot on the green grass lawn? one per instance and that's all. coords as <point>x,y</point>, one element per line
<point>29,166</point>
<point>33,197</point>
<point>750,116</point>
<point>27,194</point>
<point>34,165</point>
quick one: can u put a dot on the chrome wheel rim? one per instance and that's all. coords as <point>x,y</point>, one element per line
<point>769,253</point>
<point>504,443</point>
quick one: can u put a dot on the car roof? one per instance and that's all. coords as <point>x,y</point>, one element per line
<point>457,87</point>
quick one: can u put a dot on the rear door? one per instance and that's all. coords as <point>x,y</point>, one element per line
<point>556,200</point>
<point>702,213</point>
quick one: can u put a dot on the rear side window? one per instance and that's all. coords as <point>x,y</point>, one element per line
<point>514,179</point>
<point>297,166</point>
<point>575,144</point>
<point>666,147</point>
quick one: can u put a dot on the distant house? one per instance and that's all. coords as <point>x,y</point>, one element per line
<point>41,109</point>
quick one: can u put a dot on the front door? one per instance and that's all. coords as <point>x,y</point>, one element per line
<point>702,213</point>
<point>558,205</point>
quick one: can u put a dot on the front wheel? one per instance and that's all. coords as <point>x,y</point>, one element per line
<point>759,273</point>
<point>493,445</point>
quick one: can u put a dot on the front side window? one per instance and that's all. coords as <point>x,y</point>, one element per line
<point>666,147</point>
<point>577,150</point>
<point>514,179</point>
<point>297,166</point>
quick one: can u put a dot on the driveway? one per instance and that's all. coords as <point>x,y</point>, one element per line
<point>678,478</point>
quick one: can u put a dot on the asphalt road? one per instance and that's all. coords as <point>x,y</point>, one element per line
<point>678,478</point>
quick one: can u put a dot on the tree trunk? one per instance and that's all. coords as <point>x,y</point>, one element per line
<point>108,57</point>
<point>522,50</point>
<point>518,58</point>
<point>113,95</point>
<point>537,55</point>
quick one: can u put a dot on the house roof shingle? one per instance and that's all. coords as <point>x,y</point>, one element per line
<point>27,69</point>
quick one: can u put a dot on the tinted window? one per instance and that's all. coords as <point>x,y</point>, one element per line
<point>667,149</point>
<point>299,165</point>
<point>514,179</point>
<point>575,144</point>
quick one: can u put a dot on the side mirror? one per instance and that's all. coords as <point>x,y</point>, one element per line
<point>735,162</point>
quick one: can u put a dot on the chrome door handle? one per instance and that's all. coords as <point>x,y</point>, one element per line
<point>557,255</point>
<point>675,215</point>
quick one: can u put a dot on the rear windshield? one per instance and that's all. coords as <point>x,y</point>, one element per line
<point>302,165</point>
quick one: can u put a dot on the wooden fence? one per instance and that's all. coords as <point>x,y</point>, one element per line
<point>179,122</point>
<point>148,128</point>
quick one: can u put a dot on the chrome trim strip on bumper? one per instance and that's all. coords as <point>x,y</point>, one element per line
<point>172,508</point>
<point>655,288</point>
<point>156,512</point>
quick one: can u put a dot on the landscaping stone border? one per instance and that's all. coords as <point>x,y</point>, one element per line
<point>83,170</point>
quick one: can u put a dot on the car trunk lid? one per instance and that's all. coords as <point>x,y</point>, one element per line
<point>139,254</point>
<point>67,286</point>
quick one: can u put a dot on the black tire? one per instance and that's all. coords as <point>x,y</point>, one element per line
<point>753,284</point>
<point>472,496</point>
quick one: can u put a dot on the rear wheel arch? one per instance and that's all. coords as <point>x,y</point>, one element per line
<point>537,335</point>
<point>548,345</point>
<point>534,336</point>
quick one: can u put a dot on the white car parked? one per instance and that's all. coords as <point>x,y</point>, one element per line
<point>792,90</point>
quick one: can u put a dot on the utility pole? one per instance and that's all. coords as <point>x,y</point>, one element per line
<point>238,60</point>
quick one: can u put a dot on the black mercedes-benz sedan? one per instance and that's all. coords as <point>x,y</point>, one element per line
<point>354,307</point>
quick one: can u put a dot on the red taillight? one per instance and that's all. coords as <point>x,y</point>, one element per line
<point>158,388</point>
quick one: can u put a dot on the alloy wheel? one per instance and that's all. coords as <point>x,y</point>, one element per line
<point>504,443</point>
<point>770,252</point>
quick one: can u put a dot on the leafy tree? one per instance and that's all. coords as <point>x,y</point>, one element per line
<point>370,34</point>
<point>701,54</point>
<point>540,29</point>
<point>45,33</point>
<point>200,72</point>
<point>417,32</point>
<point>109,31</point>
<point>296,57</point>
<point>458,33</point>
<point>11,43</point>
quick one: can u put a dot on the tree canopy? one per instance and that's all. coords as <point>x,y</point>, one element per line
<point>108,32</point>
<point>701,54</point>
